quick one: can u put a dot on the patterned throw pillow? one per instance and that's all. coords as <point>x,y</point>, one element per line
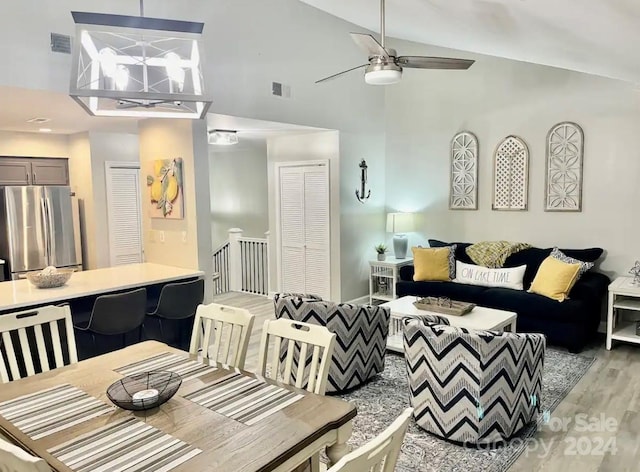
<point>561,256</point>
<point>452,261</point>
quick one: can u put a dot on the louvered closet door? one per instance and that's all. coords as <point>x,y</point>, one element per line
<point>316,231</point>
<point>304,230</point>
<point>292,229</point>
<point>125,225</point>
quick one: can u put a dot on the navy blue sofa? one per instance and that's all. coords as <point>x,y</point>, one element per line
<point>571,324</point>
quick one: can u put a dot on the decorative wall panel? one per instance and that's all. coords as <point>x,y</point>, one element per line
<point>463,193</point>
<point>511,175</point>
<point>565,150</point>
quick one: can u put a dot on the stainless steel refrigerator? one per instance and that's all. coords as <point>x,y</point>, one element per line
<point>39,227</point>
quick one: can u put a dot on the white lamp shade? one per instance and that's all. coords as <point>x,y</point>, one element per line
<point>400,222</point>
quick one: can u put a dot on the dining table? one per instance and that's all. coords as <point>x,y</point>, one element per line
<point>264,426</point>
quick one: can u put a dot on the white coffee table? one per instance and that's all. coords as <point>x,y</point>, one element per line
<point>479,318</point>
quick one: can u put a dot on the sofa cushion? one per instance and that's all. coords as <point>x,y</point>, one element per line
<point>533,257</point>
<point>458,292</point>
<point>533,305</point>
<point>460,252</point>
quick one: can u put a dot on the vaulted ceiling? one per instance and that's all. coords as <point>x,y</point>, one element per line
<point>599,37</point>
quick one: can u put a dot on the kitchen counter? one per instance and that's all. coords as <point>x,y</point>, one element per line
<point>20,294</point>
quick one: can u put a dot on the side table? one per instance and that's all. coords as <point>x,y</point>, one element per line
<point>383,276</point>
<point>623,295</point>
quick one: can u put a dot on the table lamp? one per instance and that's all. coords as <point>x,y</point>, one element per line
<point>400,223</point>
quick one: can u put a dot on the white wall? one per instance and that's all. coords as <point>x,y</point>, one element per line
<point>249,44</point>
<point>238,182</point>
<point>107,147</point>
<point>496,98</point>
<point>322,145</point>
<point>13,143</point>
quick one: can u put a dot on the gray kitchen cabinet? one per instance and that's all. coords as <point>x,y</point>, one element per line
<point>15,171</point>
<point>33,171</point>
<point>49,172</point>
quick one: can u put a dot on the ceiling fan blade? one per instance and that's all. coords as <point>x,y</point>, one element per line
<point>424,62</point>
<point>331,77</point>
<point>369,44</point>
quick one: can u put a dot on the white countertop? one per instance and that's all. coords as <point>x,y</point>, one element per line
<point>20,293</point>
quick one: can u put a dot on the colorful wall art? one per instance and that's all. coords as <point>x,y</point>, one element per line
<point>164,181</point>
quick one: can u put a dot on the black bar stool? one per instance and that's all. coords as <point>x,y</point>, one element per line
<point>178,302</point>
<point>111,316</point>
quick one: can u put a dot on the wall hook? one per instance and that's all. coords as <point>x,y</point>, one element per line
<point>363,195</point>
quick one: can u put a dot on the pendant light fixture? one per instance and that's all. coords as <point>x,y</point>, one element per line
<point>138,66</point>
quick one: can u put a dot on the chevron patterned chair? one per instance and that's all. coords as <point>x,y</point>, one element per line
<point>361,335</point>
<point>472,387</point>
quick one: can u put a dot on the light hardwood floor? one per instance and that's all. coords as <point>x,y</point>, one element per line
<point>261,308</point>
<point>607,398</point>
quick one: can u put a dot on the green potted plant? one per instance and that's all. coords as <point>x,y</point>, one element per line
<point>381,249</point>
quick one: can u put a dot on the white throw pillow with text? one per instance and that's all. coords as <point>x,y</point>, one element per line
<point>506,277</point>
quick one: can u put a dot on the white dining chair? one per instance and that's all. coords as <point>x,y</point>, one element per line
<point>381,453</point>
<point>311,339</point>
<point>17,325</point>
<point>230,328</point>
<point>15,459</point>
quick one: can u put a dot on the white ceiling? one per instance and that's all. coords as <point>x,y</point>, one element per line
<point>600,37</point>
<point>67,117</point>
<point>250,129</point>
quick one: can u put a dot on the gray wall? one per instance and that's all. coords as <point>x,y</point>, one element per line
<point>238,182</point>
<point>496,98</point>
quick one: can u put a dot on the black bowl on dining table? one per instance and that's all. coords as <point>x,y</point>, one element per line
<point>145,390</point>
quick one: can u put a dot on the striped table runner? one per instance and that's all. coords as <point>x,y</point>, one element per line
<point>48,411</point>
<point>187,368</point>
<point>129,445</point>
<point>244,399</point>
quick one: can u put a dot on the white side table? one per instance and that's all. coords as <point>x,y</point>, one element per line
<point>623,295</point>
<point>383,276</point>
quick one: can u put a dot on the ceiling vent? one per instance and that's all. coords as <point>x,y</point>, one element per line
<point>280,90</point>
<point>61,43</point>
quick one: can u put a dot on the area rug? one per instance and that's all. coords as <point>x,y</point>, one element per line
<point>381,400</point>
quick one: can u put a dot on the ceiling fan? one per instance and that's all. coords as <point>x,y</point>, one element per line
<point>385,66</point>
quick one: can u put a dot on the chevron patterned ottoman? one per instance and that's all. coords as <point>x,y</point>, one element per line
<point>361,335</point>
<point>472,387</point>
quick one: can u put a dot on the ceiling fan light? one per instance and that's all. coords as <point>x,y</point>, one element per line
<point>383,77</point>
<point>222,137</point>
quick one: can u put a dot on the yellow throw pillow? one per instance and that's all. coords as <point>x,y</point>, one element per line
<point>430,264</point>
<point>555,279</point>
